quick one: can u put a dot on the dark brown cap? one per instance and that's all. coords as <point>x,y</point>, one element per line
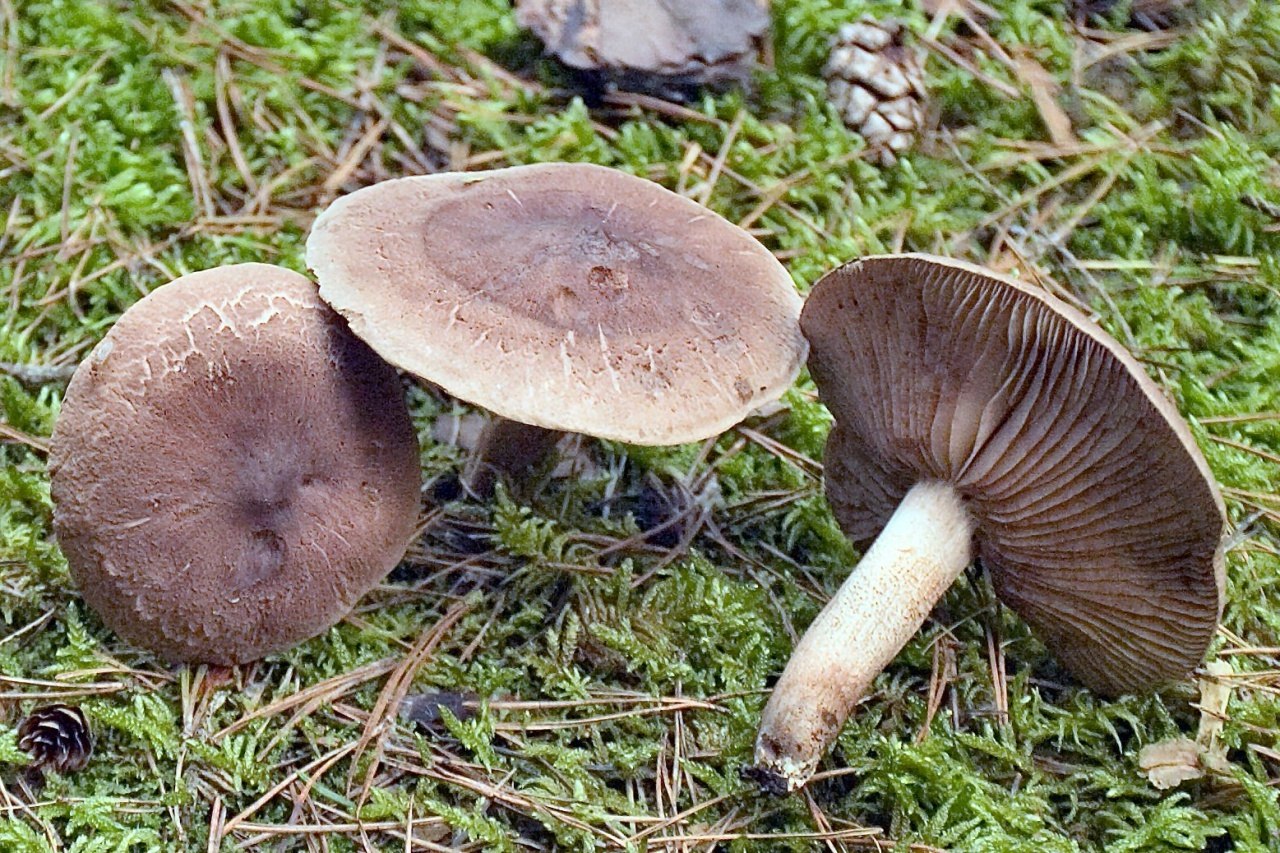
<point>232,468</point>
<point>1096,514</point>
<point>566,296</point>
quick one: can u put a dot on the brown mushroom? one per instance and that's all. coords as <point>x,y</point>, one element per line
<point>977,416</point>
<point>652,45</point>
<point>564,298</point>
<point>232,468</point>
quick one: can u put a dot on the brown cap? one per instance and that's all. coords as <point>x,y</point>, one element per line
<point>566,296</point>
<point>701,41</point>
<point>1095,513</point>
<point>232,468</point>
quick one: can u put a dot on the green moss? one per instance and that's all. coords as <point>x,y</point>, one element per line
<point>1172,252</point>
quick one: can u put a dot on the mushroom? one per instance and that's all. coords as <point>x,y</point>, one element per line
<point>563,298</point>
<point>232,468</point>
<point>977,416</point>
<point>664,47</point>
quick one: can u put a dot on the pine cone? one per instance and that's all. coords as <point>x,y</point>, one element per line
<point>57,736</point>
<point>877,83</point>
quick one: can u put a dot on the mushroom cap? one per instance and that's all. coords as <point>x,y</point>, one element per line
<point>1096,515</point>
<point>232,468</point>
<point>705,39</point>
<point>566,296</point>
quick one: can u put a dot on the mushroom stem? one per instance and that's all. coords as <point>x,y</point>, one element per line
<point>921,551</point>
<point>506,448</point>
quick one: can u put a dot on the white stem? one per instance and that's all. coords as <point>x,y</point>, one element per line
<point>919,554</point>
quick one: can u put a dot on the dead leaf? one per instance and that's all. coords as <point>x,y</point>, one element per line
<point>1169,763</point>
<point>1044,91</point>
<point>1215,694</point>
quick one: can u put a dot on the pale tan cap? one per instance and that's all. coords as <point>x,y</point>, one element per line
<point>232,468</point>
<point>1096,514</point>
<point>566,296</point>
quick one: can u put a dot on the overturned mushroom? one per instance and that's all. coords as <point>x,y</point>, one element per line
<point>232,468</point>
<point>564,298</point>
<point>976,416</point>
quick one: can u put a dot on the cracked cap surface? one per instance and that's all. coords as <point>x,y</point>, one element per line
<point>232,468</point>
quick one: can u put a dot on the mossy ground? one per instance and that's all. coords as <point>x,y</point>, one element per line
<point>142,140</point>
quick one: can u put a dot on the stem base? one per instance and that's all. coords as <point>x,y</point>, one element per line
<point>919,554</point>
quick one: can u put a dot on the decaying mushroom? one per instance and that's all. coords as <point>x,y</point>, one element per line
<point>977,416</point>
<point>564,298</point>
<point>232,468</point>
<point>652,45</point>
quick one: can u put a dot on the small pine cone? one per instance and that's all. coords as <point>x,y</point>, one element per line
<point>877,83</point>
<point>57,736</point>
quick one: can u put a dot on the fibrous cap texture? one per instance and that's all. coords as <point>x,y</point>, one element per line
<point>232,468</point>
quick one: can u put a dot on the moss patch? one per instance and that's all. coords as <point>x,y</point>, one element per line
<point>622,678</point>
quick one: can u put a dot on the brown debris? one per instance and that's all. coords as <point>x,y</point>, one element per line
<point>1044,92</point>
<point>1266,208</point>
<point>1215,695</point>
<point>1147,15</point>
<point>426,710</point>
<point>1169,763</point>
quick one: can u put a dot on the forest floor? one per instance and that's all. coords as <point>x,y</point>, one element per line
<point>617,677</point>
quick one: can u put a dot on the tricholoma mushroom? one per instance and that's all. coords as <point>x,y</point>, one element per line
<point>564,298</point>
<point>977,416</point>
<point>232,468</point>
<point>654,45</point>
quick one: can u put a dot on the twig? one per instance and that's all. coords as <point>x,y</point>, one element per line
<point>14,435</point>
<point>717,165</point>
<point>185,102</point>
<point>393,693</point>
<point>324,691</point>
<point>221,82</point>
<point>1239,445</point>
<point>955,58</point>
